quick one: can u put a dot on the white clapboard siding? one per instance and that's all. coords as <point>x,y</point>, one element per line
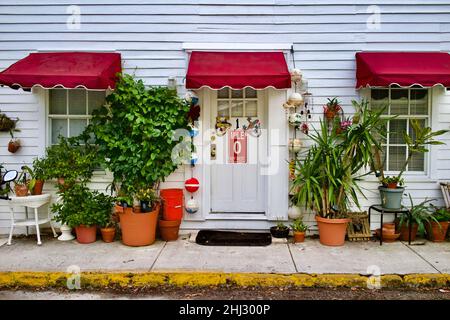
<point>149,34</point>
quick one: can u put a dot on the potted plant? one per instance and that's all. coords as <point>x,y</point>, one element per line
<point>280,230</point>
<point>146,196</point>
<point>21,185</point>
<point>391,190</point>
<point>37,176</point>
<point>103,204</point>
<point>299,229</point>
<point>332,108</point>
<point>327,178</point>
<point>420,218</point>
<point>437,228</point>
<point>83,210</point>
<point>134,131</point>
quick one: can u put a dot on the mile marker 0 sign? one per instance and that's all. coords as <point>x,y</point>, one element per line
<point>237,146</point>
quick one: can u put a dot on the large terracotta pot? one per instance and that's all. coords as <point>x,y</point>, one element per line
<point>38,186</point>
<point>169,229</point>
<point>404,232</point>
<point>108,234</point>
<point>437,233</point>
<point>138,229</point>
<point>86,234</point>
<point>332,231</point>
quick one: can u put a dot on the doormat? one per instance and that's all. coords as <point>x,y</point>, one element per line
<point>232,238</point>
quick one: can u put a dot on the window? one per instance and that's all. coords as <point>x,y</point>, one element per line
<point>406,104</point>
<point>70,110</point>
<point>237,103</point>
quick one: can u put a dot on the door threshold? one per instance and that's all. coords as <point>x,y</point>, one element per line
<point>236,216</point>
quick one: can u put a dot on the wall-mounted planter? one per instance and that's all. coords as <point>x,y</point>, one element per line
<point>14,145</point>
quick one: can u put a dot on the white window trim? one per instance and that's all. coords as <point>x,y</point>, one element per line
<point>431,172</point>
<point>198,46</point>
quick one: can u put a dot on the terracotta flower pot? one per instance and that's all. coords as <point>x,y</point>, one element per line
<point>299,236</point>
<point>38,186</point>
<point>389,228</point>
<point>392,185</point>
<point>86,234</point>
<point>437,231</point>
<point>169,229</point>
<point>138,229</point>
<point>13,145</point>
<point>404,232</point>
<point>21,190</point>
<point>332,231</point>
<point>108,234</point>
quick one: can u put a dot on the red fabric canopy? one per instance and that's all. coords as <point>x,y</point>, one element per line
<point>237,70</point>
<point>90,70</point>
<point>382,69</point>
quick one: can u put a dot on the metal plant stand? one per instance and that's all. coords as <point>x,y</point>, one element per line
<point>382,211</point>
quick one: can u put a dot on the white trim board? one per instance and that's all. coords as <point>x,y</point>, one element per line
<point>235,46</point>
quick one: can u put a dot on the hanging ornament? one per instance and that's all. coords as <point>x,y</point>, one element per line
<point>191,98</point>
<point>295,99</point>
<point>194,113</point>
<point>304,128</point>
<point>194,158</point>
<point>288,106</point>
<point>253,127</point>
<point>193,130</point>
<point>296,75</point>
<point>222,126</point>
<point>192,185</point>
<point>294,212</point>
<point>295,119</point>
<point>292,169</point>
<point>295,145</point>
<point>192,206</point>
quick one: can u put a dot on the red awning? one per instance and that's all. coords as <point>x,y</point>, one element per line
<point>90,70</point>
<point>237,70</point>
<point>382,69</point>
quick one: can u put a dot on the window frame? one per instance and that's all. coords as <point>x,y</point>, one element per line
<point>49,117</point>
<point>244,100</point>
<point>429,121</point>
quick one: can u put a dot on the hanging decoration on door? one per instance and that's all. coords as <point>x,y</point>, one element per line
<point>237,146</point>
<point>192,185</point>
<point>253,127</point>
<point>222,126</point>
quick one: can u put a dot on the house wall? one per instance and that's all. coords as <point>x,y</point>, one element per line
<point>150,35</point>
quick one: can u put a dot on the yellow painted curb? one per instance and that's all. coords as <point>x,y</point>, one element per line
<point>100,280</point>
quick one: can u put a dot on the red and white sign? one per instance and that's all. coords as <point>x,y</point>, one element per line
<point>237,146</point>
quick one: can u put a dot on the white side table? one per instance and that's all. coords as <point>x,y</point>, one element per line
<point>34,202</point>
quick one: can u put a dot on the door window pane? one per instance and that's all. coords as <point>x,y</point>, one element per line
<point>223,109</point>
<point>250,93</point>
<point>223,93</point>
<point>77,101</point>
<point>58,101</point>
<point>237,109</point>
<point>59,127</point>
<point>251,109</point>
<point>237,94</point>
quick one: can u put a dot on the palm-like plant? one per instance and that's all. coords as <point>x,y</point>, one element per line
<point>421,214</point>
<point>327,179</point>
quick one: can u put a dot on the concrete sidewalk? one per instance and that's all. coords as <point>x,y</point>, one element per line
<point>183,255</point>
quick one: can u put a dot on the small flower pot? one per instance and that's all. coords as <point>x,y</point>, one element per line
<point>38,186</point>
<point>299,236</point>
<point>279,233</point>
<point>21,190</point>
<point>169,229</point>
<point>437,230</point>
<point>86,234</point>
<point>13,145</point>
<point>392,185</point>
<point>108,234</point>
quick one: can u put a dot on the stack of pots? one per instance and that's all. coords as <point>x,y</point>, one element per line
<point>172,213</point>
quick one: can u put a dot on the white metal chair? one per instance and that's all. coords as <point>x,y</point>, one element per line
<point>33,202</point>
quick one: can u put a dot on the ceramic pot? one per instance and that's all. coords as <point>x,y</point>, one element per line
<point>108,234</point>
<point>86,234</point>
<point>392,185</point>
<point>389,228</point>
<point>299,236</point>
<point>13,145</point>
<point>66,233</point>
<point>138,229</point>
<point>437,231</point>
<point>38,186</point>
<point>279,233</point>
<point>294,212</point>
<point>21,190</point>
<point>391,198</point>
<point>332,231</point>
<point>169,229</point>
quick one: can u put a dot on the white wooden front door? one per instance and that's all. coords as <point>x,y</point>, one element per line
<point>237,187</point>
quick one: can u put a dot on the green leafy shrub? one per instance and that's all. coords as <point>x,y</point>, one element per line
<point>80,206</point>
<point>298,225</point>
<point>134,131</point>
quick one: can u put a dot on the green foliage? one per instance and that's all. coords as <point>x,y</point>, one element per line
<point>148,195</point>
<point>72,159</point>
<point>441,214</point>
<point>80,206</point>
<point>421,215</point>
<point>135,132</point>
<point>386,180</point>
<point>298,225</point>
<point>327,179</point>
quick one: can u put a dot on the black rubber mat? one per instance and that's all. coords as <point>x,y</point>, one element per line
<point>232,238</point>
